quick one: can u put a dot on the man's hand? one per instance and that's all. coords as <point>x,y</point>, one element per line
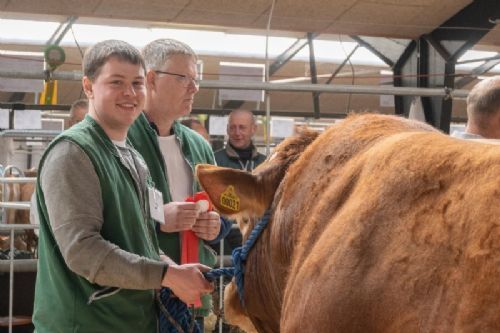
<point>207,226</point>
<point>187,281</point>
<point>179,216</point>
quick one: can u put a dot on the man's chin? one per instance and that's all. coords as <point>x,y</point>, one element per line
<point>239,146</point>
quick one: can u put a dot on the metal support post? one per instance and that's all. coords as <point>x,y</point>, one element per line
<point>314,74</point>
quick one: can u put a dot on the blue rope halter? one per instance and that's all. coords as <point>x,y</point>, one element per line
<point>240,254</point>
<point>174,315</point>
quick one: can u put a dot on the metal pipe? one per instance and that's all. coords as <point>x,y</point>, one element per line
<point>4,188</point>
<point>268,86</point>
<point>11,278</point>
<point>21,205</point>
<point>16,227</point>
<point>17,180</point>
<point>336,88</point>
<point>29,133</point>
<point>57,75</point>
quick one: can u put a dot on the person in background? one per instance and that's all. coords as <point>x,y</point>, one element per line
<point>483,111</point>
<point>77,112</point>
<point>99,262</point>
<point>196,126</point>
<point>172,151</point>
<point>240,152</point>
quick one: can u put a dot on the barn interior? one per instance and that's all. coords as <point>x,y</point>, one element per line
<point>290,62</point>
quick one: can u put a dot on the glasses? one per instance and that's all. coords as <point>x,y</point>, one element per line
<point>182,79</point>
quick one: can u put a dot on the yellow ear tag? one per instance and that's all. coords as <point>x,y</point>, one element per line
<point>229,199</point>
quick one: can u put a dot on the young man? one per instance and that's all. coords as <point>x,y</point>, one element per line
<point>96,213</point>
<point>171,150</point>
<point>240,152</point>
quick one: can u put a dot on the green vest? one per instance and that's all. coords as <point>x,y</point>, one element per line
<point>196,151</point>
<point>61,296</point>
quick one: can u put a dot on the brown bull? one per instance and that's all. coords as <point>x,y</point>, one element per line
<point>380,224</point>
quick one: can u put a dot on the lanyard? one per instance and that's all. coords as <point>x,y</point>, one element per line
<point>245,166</point>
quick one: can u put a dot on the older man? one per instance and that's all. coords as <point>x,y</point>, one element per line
<point>240,152</point>
<point>483,111</point>
<point>171,150</point>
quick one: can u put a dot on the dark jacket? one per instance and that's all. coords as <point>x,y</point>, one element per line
<point>229,158</point>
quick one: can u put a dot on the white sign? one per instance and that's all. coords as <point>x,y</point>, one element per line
<point>241,72</point>
<point>217,125</point>
<point>4,118</point>
<point>417,110</point>
<point>21,63</point>
<point>282,127</point>
<point>27,119</point>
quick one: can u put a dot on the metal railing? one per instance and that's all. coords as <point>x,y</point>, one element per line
<point>18,265</point>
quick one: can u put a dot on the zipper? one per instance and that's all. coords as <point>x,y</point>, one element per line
<point>142,198</point>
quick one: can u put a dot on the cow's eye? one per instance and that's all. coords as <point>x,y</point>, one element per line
<point>245,220</point>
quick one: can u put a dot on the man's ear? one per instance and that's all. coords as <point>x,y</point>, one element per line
<point>87,87</point>
<point>150,79</point>
<point>254,129</point>
<point>232,191</point>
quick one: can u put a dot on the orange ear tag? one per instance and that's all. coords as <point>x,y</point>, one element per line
<point>229,199</point>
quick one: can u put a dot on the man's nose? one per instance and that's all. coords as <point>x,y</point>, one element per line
<point>129,90</point>
<point>193,87</point>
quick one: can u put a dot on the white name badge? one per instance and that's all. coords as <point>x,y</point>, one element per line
<point>156,205</point>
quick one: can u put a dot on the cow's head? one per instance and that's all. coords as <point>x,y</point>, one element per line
<point>244,195</point>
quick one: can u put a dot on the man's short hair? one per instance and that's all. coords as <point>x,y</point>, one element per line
<point>159,51</point>
<point>190,121</point>
<point>243,111</point>
<point>79,104</point>
<point>96,56</point>
<point>485,96</point>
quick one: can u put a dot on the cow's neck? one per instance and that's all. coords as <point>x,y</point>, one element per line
<point>266,274</point>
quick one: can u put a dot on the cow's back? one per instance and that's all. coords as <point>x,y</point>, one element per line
<point>399,233</point>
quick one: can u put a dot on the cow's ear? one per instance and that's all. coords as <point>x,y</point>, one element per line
<point>231,191</point>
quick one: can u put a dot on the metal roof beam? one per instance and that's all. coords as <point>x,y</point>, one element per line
<point>480,70</point>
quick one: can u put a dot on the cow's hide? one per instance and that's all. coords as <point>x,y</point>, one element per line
<point>380,224</point>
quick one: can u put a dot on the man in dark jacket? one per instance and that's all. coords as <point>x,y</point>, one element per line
<point>240,152</point>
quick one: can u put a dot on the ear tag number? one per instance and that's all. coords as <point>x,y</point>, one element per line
<point>229,199</point>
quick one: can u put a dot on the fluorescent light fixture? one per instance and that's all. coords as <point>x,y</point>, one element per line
<point>21,53</point>
<point>26,32</point>
<point>204,42</point>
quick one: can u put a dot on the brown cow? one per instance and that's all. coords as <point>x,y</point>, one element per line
<point>380,224</point>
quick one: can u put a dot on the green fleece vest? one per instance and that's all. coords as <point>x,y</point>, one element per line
<point>196,151</point>
<point>61,296</point>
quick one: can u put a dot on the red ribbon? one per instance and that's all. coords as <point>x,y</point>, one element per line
<point>189,240</point>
